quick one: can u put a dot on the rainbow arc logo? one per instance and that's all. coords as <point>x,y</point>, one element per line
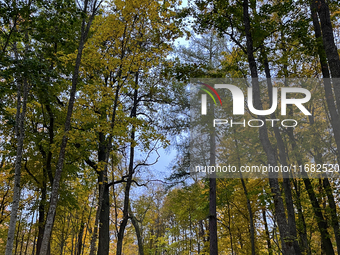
<point>209,93</point>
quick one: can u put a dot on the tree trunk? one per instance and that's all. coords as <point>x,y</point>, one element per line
<point>126,205</point>
<point>251,218</point>
<point>283,160</point>
<point>302,228</point>
<point>329,46</point>
<point>322,223</point>
<point>138,233</point>
<point>270,252</point>
<point>29,233</point>
<point>104,218</point>
<point>334,116</point>
<point>333,211</point>
<point>17,236</point>
<point>212,191</point>
<point>20,117</point>
<point>95,229</point>
<point>80,237</point>
<point>41,219</point>
<point>250,212</point>
<point>57,177</point>
<point>104,223</point>
<point>287,241</point>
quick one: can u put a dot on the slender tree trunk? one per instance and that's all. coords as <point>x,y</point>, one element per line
<point>20,117</point>
<point>229,228</point>
<point>29,233</point>
<point>329,46</point>
<point>104,218</point>
<point>250,212</point>
<point>212,192</point>
<point>287,242</point>
<point>125,214</point>
<point>329,192</point>
<point>88,223</point>
<point>283,160</point>
<point>22,242</point>
<point>41,219</point>
<point>334,116</point>
<point>322,223</point>
<point>333,211</point>
<point>95,229</point>
<point>270,252</point>
<point>57,177</point>
<point>302,223</point>
<point>138,233</point>
<point>251,217</point>
<point>80,237</point>
<point>126,204</point>
<point>17,236</point>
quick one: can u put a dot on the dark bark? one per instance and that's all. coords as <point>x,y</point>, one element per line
<point>329,192</point>
<point>126,204</point>
<point>80,238</point>
<point>333,211</point>
<point>329,46</point>
<point>17,235</point>
<point>283,160</point>
<point>29,233</point>
<point>301,226</point>
<point>270,252</point>
<point>104,218</point>
<point>212,194</point>
<point>95,230</point>
<point>322,223</point>
<point>287,241</point>
<point>251,218</point>
<point>138,233</point>
<point>41,219</point>
<point>212,217</point>
<point>250,212</point>
<point>334,116</point>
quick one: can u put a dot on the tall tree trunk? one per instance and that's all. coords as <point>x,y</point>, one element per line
<point>20,134</point>
<point>250,212</point>
<point>333,211</point>
<point>95,229</point>
<point>126,204</point>
<point>322,223</point>
<point>302,227</point>
<point>104,223</point>
<point>212,193</point>
<point>286,240</point>
<point>80,237</point>
<point>329,192</point>
<point>29,233</point>
<point>283,160</point>
<point>329,46</point>
<point>104,218</point>
<point>17,236</point>
<point>57,177</point>
<point>138,233</point>
<point>334,116</point>
<point>251,217</point>
<point>41,218</point>
<point>270,252</point>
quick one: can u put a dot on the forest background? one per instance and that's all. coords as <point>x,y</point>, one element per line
<point>92,93</point>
